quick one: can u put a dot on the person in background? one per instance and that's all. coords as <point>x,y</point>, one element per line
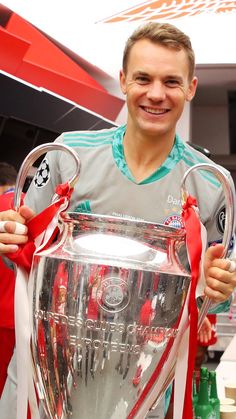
<point>135,170</point>
<point>8,176</point>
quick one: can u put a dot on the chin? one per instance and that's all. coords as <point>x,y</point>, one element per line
<point>153,131</point>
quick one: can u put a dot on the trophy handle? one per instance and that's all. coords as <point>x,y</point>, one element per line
<point>229,215</point>
<point>32,157</point>
<point>228,232</point>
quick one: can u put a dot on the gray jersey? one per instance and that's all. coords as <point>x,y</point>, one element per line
<point>106,186</point>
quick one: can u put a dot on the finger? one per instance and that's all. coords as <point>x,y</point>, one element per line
<point>224,264</point>
<point>205,331</point>
<point>219,276</point>
<point>11,215</point>
<point>6,238</point>
<point>217,296</point>
<point>12,227</point>
<point>215,252</point>
<point>207,335</point>
<point>8,248</point>
<point>221,287</point>
<point>26,212</point>
<point>204,336</point>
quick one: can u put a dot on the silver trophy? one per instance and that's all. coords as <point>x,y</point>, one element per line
<point>107,301</point>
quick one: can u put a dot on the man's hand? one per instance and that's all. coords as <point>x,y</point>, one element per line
<point>13,230</point>
<point>205,331</point>
<point>220,283</point>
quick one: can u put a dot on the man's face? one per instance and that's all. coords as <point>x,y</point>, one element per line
<point>156,85</point>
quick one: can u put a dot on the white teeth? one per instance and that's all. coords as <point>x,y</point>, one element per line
<point>155,111</point>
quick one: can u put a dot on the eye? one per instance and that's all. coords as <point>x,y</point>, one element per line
<point>172,83</point>
<point>142,79</point>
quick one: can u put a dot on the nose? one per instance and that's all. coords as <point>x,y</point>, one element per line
<point>156,91</point>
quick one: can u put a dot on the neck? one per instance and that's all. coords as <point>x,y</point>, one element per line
<point>144,155</point>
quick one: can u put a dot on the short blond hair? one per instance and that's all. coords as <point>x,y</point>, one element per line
<point>164,34</point>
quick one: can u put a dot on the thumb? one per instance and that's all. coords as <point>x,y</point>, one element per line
<point>26,212</point>
<point>214,252</point>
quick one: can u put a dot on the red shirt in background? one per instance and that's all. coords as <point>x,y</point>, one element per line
<point>7,289</point>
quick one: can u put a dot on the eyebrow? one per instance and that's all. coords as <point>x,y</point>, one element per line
<point>141,73</point>
<point>170,76</point>
<point>174,77</point>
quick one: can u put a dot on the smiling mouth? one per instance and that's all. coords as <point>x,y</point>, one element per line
<point>155,111</point>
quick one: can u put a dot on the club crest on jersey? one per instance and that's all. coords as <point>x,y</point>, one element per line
<point>42,176</point>
<point>174,220</point>
<point>220,220</point>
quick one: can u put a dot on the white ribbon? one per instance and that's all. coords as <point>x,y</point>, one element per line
<point>22,342</point>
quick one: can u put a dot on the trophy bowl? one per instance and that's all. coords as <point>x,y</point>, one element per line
<point>107,300</point>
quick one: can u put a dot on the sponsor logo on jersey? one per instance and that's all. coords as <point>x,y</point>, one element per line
<point>220,220</point>
<point>174,220</point>
<point>173,201</point>
<point>83,207</point>
<point>42,176</point>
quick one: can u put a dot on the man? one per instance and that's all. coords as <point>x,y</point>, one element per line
<point>135,170</point>
<point>8,176</point>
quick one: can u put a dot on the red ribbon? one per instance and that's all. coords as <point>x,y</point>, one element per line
<point>194,246</point>
<point>24,255</point>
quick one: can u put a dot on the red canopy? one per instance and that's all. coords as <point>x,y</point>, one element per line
<point>31,56</point>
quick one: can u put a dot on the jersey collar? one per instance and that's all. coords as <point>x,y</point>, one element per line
<point>170,162</point>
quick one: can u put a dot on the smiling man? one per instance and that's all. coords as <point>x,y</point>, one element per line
<point>157,79</point>
<point>136,170</point>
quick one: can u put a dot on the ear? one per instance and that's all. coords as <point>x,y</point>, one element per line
<point>191,89</point>
<point>123,82</point>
